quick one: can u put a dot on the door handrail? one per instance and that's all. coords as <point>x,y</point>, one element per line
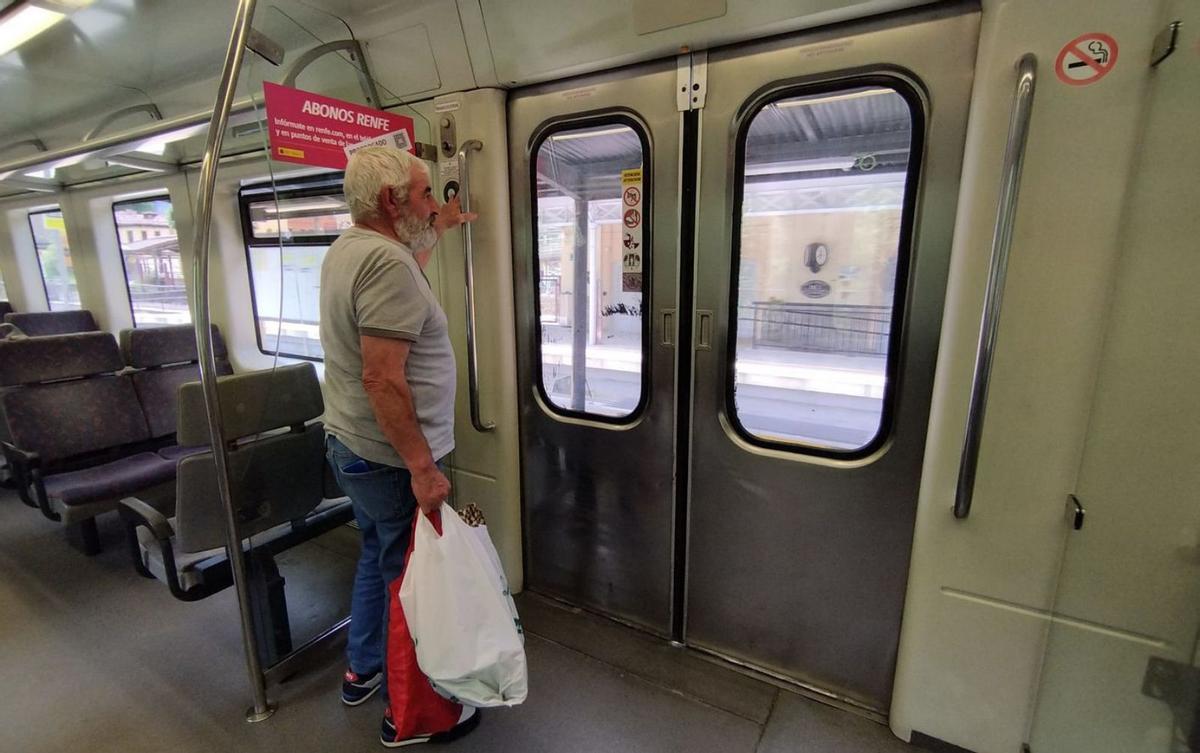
<point>464,191</point>
<point>1014,159</point>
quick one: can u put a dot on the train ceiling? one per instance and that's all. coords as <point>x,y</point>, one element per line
<point>106,55</point>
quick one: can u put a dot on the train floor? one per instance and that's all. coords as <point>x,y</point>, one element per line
<point>96,658</point>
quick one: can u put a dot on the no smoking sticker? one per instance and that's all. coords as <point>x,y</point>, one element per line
<point>1086,59</point>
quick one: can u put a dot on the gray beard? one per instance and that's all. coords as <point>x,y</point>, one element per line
<point>418,235</point>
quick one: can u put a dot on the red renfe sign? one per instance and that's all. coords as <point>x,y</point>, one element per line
<point>313,130</point>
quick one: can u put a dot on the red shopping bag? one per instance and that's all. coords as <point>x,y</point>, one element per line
<point>415,706</point>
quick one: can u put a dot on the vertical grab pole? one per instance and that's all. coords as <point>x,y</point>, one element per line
<point>1006,214</point>
<point>204,344</point>
<point>464,191</point>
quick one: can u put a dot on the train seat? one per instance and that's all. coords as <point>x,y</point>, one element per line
<point>165,359</point>
<point>78,437</point>
<point>277,480</point>
<point>6,331</point>
<point>74,489</point>
<point>45,323</point>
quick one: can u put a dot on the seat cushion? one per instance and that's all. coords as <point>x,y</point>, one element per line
<point>45,323</point>
<point>29,360</point>
<point>119,478</point>
<point>158,346</point>
<point>175,453</point>
<point>252,403</point>
<point>76,417</point>
<point>158,391</point>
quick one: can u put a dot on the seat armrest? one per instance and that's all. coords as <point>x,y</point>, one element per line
<point>136,513</point>
<point>27,471</point>
<point>16,456</point>
<point>140,513</point>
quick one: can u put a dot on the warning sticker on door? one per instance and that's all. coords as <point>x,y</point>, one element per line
<point>1086,59</point>
<point>448,169</point>
<point>631,231</point>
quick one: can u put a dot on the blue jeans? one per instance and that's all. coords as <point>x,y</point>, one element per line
<point>384,506</point>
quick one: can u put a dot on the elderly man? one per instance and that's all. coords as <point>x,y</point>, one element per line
<point>389,389</point>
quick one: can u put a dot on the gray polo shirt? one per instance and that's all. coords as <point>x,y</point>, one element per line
<point>372,285</point>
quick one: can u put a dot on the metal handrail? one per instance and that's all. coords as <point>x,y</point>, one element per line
<point>464,191</point>
<point>1014,159</point>
<point>101,146</point>
<point>150,109</point>
<point>36,143</point>
<point>204,343</point>
<point>354,47</point>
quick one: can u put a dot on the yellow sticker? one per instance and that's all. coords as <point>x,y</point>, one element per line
<point>631,231</point>
<point>54,223</point>
<point>286,152</point>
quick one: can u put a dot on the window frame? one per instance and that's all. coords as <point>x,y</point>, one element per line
<point>906,252</point>
<point>121,251</point>
<point>38,257</point>
<point>322,184</point>
<point>620,117</point>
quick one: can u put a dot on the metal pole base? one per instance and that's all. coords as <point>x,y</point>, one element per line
<point>255,717</point>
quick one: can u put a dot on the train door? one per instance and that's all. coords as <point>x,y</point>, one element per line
<point>735,463</point>
<point>829,182</point>
<point>595,181</point>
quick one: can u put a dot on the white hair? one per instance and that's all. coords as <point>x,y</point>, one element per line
<point>372,168</point>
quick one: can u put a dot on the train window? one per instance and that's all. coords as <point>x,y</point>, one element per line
<point>591,328</point>
<point>820,254</point>
<point>153,267</point>
<point>54,259</point>
<point>288,228</point>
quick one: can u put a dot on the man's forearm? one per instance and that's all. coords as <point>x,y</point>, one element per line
<point>391,399</point>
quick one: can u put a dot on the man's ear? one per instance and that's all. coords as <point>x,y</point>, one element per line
<point>386,201</point>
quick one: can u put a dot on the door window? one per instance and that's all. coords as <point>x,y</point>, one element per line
<point>826,187</point>
<point>592,264</point>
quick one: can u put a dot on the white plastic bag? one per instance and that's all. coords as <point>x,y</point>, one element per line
<point>462,618</point>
